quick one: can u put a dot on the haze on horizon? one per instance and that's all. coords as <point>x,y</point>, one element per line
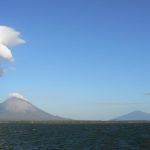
<point>80,59</point>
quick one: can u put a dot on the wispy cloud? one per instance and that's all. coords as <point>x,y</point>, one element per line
<point>147,93</point>
<point>120,103</point>
<point>9,37</point>
<point>2,71</point>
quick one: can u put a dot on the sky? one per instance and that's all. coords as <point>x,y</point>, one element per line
<point>80,59</point>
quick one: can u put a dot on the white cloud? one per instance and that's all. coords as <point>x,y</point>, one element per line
<point>16,95</point>
<point>5,53</point>
<point>8,38</point>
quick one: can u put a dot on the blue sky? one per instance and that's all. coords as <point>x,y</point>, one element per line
<point>82,59</point>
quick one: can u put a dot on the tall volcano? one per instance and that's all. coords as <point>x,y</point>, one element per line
<point>18,108</point>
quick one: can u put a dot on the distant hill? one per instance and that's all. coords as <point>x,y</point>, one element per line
<point>135,115</point>
<point>17,108</point>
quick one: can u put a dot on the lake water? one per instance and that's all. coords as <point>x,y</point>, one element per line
<point>109,136</point>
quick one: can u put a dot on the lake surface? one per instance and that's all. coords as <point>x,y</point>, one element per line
<point>104,136</point>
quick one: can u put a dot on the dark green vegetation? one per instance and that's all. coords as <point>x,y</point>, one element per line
<point>75,136</point>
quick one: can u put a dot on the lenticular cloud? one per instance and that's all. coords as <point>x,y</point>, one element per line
<point>8,38</point>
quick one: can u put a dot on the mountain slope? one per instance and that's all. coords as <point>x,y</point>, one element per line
<point>16,107</point>
<point>135,115</point>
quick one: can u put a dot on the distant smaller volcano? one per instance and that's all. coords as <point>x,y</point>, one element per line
<point>134,116</point>
<point>18,108</point>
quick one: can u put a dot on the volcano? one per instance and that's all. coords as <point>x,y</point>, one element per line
<point>18,108</point>
<point>134,116</point>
